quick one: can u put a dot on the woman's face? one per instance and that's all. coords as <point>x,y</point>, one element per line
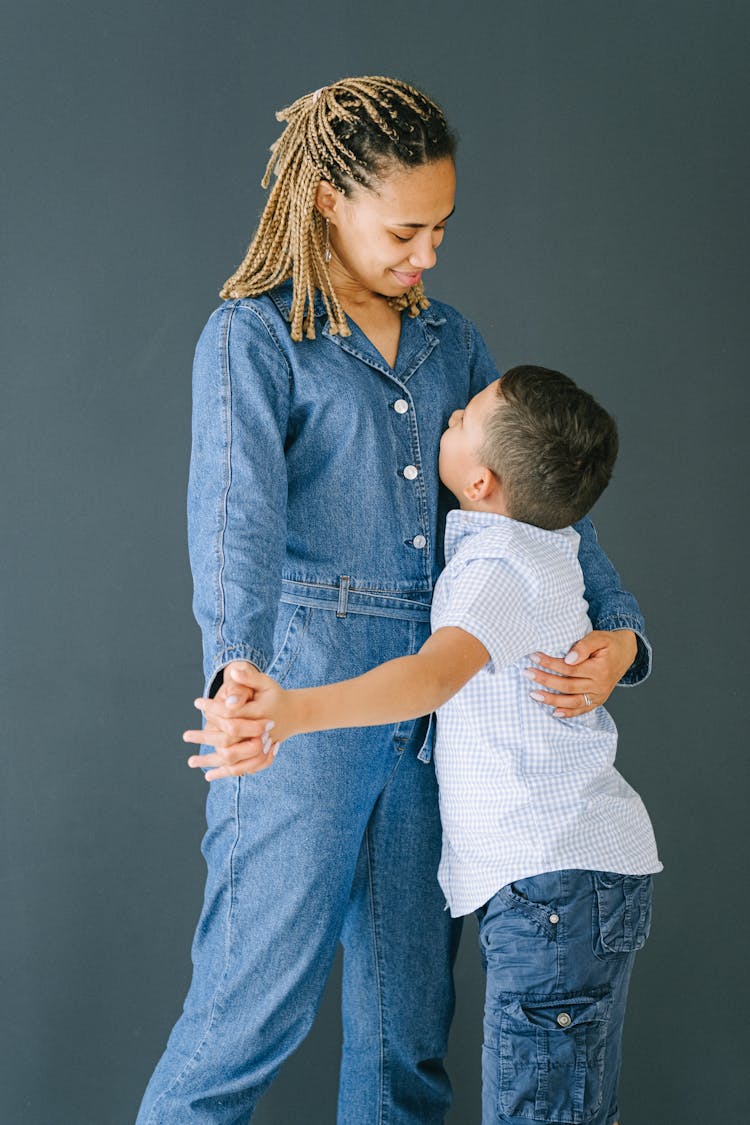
<point>383,239</point>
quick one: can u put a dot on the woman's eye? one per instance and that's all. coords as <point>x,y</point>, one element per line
<point>400,239</point>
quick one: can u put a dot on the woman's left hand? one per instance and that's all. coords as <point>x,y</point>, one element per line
<point>588,674</point>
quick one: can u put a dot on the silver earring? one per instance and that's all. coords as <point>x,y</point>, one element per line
<point>327,253</point>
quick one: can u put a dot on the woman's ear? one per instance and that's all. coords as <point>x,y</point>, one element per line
<point>326,198</point>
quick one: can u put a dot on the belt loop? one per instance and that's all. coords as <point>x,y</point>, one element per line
<point>343,595</point>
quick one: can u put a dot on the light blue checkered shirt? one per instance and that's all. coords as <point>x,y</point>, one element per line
<point>521,792</point>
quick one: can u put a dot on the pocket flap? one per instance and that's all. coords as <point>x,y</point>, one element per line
<point>556,1013</point>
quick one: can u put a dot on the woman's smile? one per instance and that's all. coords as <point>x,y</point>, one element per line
<point>407,279</point>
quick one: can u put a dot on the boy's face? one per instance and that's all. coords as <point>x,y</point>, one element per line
<point>459,460</point>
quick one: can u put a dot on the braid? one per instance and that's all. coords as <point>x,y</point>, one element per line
<point>345,133</point>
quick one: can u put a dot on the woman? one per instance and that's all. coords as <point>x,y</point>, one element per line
<point>321,388</point>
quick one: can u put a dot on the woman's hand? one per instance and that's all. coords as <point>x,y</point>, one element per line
<point>235,726</point>
<point>588,674</point>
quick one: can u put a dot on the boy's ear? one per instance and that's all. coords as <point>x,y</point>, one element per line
<point>483,487</point>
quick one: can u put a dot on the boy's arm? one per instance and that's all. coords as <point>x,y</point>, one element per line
<point>398,690</point>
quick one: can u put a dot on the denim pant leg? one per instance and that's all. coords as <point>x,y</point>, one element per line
<point>399,947</point>
<point>281,858</point>
<point>559,951</point>
<point>282,850</point>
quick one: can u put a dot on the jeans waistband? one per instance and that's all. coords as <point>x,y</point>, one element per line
<point>344,598</point>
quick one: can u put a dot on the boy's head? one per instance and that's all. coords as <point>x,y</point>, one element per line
<point>548,445</point>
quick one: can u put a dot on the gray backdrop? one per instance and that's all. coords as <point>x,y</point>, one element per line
<point>600,228</point>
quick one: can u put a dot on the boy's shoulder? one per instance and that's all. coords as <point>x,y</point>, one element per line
<point>502,557</point>
<point>485,535</point>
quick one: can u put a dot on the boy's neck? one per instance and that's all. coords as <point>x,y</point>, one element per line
<point>494,506</point>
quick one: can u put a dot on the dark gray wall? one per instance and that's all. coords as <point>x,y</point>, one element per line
<point>601,228</point>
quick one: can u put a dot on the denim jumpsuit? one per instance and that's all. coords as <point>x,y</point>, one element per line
<point>315,528</point>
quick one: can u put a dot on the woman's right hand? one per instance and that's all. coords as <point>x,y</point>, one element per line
<point>241,745</point>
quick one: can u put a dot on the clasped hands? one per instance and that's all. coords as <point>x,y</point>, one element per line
<point>243,723</point>
<point>251,714</point>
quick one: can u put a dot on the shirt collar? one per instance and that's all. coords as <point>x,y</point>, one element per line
<point>282,298</point>
<point>460,524</point>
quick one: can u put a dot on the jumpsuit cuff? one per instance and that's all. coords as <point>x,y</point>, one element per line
<point>640,669</point>
<point>215,676</point>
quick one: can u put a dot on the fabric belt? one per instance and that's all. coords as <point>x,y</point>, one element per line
<point>342,597</point>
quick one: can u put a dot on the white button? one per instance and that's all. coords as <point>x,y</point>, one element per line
<point>554,919</point>
<point>419,542</point>
<point>411,472</point>
<point>401,406</point>
<point>564,1019</point>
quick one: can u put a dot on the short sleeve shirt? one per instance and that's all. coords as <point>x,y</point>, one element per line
<point>522,792</point>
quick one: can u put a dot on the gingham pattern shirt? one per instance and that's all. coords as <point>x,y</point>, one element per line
<point>521,792</point>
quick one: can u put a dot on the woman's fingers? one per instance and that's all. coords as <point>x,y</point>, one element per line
<point>227,750</point>
<point>553,664</point>
<point>243,673</point>
<point>573,705</point>
<point>226,732</point>
<point>567,685</point>
<point>242,769</point>
<point>566,706</point>
<point>235,760</point>
<point>568,694</point>
<point>215,709</point>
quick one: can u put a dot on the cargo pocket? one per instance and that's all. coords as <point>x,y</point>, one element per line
<point>622,916</point>
<point>550,1051</point>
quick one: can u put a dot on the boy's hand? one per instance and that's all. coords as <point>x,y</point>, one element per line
<point>239,722</point>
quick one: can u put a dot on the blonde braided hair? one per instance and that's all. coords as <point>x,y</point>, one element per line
<point>347,134</point>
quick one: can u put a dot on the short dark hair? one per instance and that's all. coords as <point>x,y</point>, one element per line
<point>551,444</point>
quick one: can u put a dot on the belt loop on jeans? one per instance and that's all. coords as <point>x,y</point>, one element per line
<point>343,595</point>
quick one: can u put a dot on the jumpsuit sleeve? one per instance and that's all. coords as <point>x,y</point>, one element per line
<point>237,490</point>
<point>610,606</point>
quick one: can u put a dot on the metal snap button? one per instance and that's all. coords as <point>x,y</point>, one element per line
<point>564,1019</point>
<point>419,542</point>
<point>554,919</point>
<point>401,406</point>
<point>411,472</point>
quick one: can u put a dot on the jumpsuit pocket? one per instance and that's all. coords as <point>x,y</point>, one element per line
<point>550,1051</point>
<point>622,912</point>
<point>291,626</point>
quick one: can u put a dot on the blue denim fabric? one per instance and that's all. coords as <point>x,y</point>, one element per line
<point>314,556</point>
<point>558,950</point>
<point>297,473</point>
<point>339,840</point>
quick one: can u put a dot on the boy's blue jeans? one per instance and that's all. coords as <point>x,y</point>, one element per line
<point>558,950</point>
<point>338,840</point>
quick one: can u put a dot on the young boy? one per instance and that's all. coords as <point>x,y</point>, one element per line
<point>541,836</point>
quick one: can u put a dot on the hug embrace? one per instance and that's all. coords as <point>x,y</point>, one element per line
<point>381,528</point>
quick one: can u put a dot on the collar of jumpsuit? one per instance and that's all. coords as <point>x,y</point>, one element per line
<point>414,345</point>
<point>325,433</point>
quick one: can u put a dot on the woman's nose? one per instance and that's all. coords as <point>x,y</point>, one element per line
<point>423,256</point>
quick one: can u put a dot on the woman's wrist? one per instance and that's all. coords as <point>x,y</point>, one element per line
<point>627,648</point>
